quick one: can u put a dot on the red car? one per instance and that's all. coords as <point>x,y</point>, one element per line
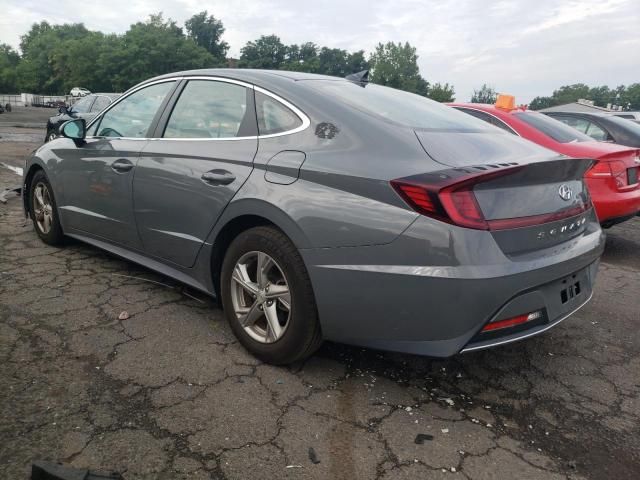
<point>613,179</point>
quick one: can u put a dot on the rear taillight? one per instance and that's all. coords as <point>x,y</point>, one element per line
<point>615,169</point>
<point>450,198</point>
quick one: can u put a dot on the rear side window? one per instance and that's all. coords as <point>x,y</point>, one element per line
<point>100,104</point>
<point>578,123</point>
<point>399,107</point>
<point>273,116</point>
<point>552,128</point>
<point>209,109</point>
<point>597,133</point>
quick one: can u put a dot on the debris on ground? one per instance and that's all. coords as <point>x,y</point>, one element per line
<point>124,315</point>
<point>421,437</point>
<point>313,456</point>
<point>9,192</point>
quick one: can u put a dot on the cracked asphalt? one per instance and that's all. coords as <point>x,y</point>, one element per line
<point>167,393</point>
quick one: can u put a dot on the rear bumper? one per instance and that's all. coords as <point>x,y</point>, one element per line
<point>438,310</point>
<point>612,204</point>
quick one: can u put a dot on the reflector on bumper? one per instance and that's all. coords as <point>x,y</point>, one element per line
<point>512,322</point>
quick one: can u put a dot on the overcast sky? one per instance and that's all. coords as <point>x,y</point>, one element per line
<point>525,47</point>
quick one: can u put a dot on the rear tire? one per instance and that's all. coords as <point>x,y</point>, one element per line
<point>297,334</point>
<point>44,211</point>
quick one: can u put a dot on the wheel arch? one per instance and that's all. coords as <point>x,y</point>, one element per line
<point>26,187</point>
<point>241,216</point>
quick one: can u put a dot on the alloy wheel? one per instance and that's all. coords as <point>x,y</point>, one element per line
<point>43,207</point>
<point>260,296</point>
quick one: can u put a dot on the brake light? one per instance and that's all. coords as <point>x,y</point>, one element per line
<point>599,170</point>
<point>607,169</point>
<point>449,197</point>
<point>512,322</point>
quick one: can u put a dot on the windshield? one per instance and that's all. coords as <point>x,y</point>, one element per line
<point>82,105</point>
<point>553,128</point>
<point>400,107</point>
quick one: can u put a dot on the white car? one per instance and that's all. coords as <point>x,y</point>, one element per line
<point>79,92</point>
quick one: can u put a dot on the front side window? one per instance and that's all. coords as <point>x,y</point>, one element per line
<point>552,128</point>
<point>82,105</point>
<point>210,109</point>
<point>100,104</point>
<point>273,116</point>
<point>132,117</point>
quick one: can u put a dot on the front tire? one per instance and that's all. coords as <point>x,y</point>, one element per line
<point>267,297</point>
<point>44,211</point>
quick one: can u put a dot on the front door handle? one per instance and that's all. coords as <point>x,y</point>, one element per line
<point>122,165</point>
<point>218,177</point>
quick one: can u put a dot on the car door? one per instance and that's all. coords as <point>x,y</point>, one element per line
<point>97,174</point>
<point>203,153</point>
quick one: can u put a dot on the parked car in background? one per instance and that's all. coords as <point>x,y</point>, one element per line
<point>55,104</point>
<point>633,116</point>
<point>79,92</point>
<point>87,107</point>
<point>249,185</point>
<point>602,127</point>
<point>613,179</point>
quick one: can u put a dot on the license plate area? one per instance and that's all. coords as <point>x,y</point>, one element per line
<point>632,175</point>
<point>572,289</point>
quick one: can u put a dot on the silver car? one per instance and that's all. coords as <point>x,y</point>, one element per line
<point>320,208</point>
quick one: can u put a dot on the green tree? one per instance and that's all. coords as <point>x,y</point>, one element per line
<point>302,58</point>
<point>486,94</point>
<point>207,32</point>
<point>631,97</point>
<point>9,59</point>
<point>570,93</point>
<point>152,48</point>
<point>396,65</point>
<point>441,92</point>
<point>265,52</point>
<point>35,72</point>
<point>539,103</point>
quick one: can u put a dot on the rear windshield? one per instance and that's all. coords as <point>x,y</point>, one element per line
<point>400,107</point>
<point>553,128</point>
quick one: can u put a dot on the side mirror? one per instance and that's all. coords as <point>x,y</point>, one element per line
<point>63,109</point>
<point>74,129</point>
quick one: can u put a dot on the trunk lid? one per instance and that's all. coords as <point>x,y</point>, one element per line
<point>528,197</point>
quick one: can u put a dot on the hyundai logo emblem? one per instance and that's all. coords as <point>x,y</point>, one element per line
<point>565,192</point>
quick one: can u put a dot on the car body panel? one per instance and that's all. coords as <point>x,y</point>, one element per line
<point>383,275</point>
<point>93,196</point>
<point>174,208</point>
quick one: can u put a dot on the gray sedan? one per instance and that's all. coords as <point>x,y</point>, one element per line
<point>322,208</point>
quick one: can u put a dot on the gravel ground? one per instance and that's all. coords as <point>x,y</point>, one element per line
<point>168,393</point>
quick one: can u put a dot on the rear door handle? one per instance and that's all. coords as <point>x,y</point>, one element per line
<point>122,165</point>
<point>218,177</point>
